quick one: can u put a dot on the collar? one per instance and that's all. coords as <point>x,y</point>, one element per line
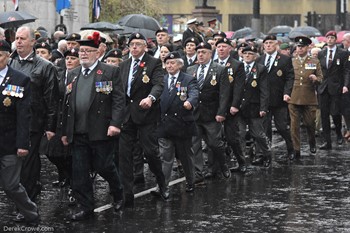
<point>272,55</point>
<point>175,75</point>
<point>25,58</point>
<point>91,68</point>
<point>140,58</point>
<point>3,72</point>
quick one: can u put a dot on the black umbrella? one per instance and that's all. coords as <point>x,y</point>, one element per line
<point>280,30</point>
<point>102,26</point>
<point>144,24</point>
<point>306,31</point>
<point>245,32</point>
<point>12,19</point>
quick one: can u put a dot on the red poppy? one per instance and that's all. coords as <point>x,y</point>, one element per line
<point>99,72</point>
<point>142,64</point>
<point>253,70</point>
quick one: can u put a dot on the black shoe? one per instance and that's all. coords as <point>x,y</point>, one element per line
<point>189,188</point>
<point>340,140</point>
<point>258,160</point>
<point>56,183</point>
<point>226,173</point>
<point>118,205</point>
<point>326,146</point>
<point>82,215</point>
<point>165,193</point>
<point>291,154</point>
<point>208,175</point>
<point>313,150</point>
<point>241,168</point>
<point>297,154</point>
<point>198,179</point>
<point>156,192</point>
<point>19,218</point>
<point>139,180</point>
<point>267,161</point>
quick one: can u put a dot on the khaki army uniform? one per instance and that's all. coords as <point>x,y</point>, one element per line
<point>303,100</point>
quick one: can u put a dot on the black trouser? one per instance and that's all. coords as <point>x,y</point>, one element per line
<point>129,136</point>
<point>280,117</point>
<point>233,138</point>
<point>330,105</point>
<point>31,166</point>
<point>97,156</point>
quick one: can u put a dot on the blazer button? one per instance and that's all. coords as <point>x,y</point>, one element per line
<point>200,102</point>
<point>101,101</point>
<point>131,101</point>
<point>98,112</point>
<point>68,115</point>
<point>175,114</point>
<point>243,99</point>
<point>165,114</point>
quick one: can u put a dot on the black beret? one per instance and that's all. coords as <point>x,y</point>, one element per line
<point>224,40</point>
<point>302,41</point>
<point>242,45</point>
<point>250,49</point>
<point>269,37</point>
<point>43,45</point>
<point>203,45</point>
<point>172,55</point>
<point>162,30</point>
<point>136,35</point>
<point>220,33</point>
<point>4,46</point>
<point>74,52</point>
<point>200,24</point>
<point>114,53</point>
<point>193,40</point>
<point>73,37</point>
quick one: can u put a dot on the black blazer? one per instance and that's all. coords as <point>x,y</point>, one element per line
<point>337,75</point>
<point>280,79</point>
<point>141,89</point>
<point>105,109</point>
<point>176,121</point>
<point>236,76</point>
<point>188,33</point>
<point>213,99</point>
<point>14,114</point>
<point>256,93</point>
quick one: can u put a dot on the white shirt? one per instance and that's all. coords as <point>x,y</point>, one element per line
<point>90,68</point>
<point>224,61</point>
<point>157,53</point>
<point>169,78</point>
<point>273,57</point>
<point>3,73</point>
<point>333,52</point>
<point>250,66</point>
<point>130,79</point>
<point>205,69</point>
<point>193,58</point>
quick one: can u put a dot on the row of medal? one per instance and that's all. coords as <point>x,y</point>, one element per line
<point>182,93</point>
<point>105,87</point>
<point>13,90</point>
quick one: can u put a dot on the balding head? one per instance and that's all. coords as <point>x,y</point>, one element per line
<point>346,41</point>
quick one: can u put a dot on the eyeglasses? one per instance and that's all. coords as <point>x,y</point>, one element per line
<point>137,44</point>
<point>87,51</point>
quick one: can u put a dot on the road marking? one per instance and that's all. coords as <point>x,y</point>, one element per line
<point>140,194</point>
<point>171,183</point>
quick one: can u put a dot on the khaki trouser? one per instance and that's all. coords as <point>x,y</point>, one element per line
<point>308,114</point>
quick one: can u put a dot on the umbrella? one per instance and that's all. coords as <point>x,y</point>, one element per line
<point>12,19</point>
<point>85,33</point>
<point>102,26</point>
<point>280,30</point>
<point>306,31</point>
<point>143,24</point>
<point>245,32</point>
<point>340,36</point>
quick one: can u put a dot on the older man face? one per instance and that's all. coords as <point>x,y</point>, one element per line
<point>88,56</point>
<point>24,42</point>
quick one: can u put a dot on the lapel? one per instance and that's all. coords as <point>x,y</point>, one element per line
<point>74,82</point>
<point>98,77</point>
<point>125,72</point>
<point>7,79</point>
<point>335,57</point>
<point>140,69</point>
<point>250,76</point>
<point>324,61</point>
<point>210,73</point>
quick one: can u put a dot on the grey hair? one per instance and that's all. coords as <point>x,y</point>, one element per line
<point>30,30</point>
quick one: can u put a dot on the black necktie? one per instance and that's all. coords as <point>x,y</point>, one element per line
<point>222,63</point>
<point>330,58</point>
<point>268,63</point>
<point>172,84</point>
<point>86,71</point>
<point>201,77</point>
<point>190,61</point>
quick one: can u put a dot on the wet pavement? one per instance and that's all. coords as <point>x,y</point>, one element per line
<point>306,195</point>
